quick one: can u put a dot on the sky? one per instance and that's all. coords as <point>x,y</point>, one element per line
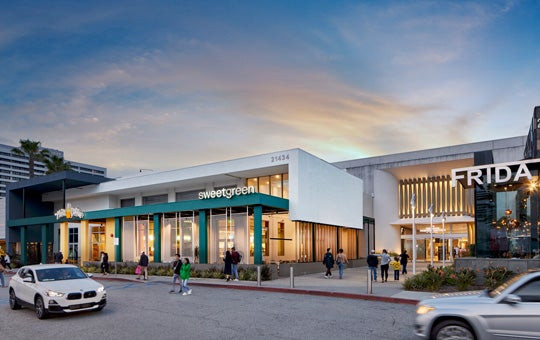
<point>162,85</point>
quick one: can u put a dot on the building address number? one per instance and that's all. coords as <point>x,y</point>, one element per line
<point>278,158</point>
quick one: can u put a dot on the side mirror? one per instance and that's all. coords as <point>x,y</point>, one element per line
<point>90,275</point>
<point>512,299</point>
<point>28,279</point>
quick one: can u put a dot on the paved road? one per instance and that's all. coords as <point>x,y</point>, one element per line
<point>147,311</point>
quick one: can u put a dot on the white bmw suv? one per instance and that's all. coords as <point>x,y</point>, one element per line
<point>55,288</point>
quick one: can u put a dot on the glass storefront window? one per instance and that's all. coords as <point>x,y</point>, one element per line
<point>97,241</point>
<point>275,185</point>
<point>73,243</point>
<point>507,218</point>
<point>128,239</point>
<point>227,230</point>
<point>264,185</point>
<point>253,182</point>
<point>281,239</point>
<point>265,237</point>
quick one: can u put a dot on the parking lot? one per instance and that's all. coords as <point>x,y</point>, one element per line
<point>147,310</point>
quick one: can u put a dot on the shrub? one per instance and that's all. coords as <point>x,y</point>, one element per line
<point>464,278</point>
<point>495,276</point>
<point>430,280</point>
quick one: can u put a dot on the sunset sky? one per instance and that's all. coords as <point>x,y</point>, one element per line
<point>160,85</point>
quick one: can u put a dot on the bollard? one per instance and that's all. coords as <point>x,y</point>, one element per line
<point>369,282</point>
<point>258,276</point>
<point>292,276</point>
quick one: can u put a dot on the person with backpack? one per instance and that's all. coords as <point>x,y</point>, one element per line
<point>236,258</point>
<point>185,273</point>
<point>177,264</point>
<point>328,261</point>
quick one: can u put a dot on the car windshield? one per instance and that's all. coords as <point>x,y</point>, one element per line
<point>57,274</point>
<point>498,290</point>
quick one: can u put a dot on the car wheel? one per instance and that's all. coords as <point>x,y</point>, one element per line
<point>452,329</point>
<point>41,311</point>
<point>13,300</point>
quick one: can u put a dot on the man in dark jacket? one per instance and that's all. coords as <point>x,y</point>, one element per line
<point>143,262</point>
<point>58,257</point>
<point>372,263</point>
<point>328,261</point>
<point>177,264</point>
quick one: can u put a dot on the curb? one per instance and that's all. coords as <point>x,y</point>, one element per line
<point>285,290</point>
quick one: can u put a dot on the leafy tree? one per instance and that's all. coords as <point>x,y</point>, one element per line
<point>56,164</point>
<point>32,150</point>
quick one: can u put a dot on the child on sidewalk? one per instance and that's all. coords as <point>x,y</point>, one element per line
<point>185,272</point>
<point>397,267</point>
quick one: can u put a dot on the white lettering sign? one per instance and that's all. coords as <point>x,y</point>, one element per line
<point>502,173</point>
<point>226,192</point>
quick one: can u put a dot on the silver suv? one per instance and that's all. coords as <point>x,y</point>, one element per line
<point>509,311</point>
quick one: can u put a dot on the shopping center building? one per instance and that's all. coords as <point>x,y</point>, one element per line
<point>286,206</point>
<point>290,206</point>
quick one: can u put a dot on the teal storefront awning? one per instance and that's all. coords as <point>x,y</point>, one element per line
<point>266,201</point>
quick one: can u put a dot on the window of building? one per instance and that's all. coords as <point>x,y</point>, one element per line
<point>281,239</point>
<point>188,195</point>
<point>73,244</point>
<point>275,185</point>
<point>155,199</point>
<point>97,241</point>
<point>127,202</point>
<point>264,185</point>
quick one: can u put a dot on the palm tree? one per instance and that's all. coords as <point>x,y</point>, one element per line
<point>33,151</point>
<point>56,164</point>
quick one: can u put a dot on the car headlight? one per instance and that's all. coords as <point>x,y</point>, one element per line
<point>100,289</point>
<point>424,309</point>
<point>52,293</point>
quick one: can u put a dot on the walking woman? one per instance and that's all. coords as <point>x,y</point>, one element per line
<point>341,260</point>
<point>228,265</point>
<point>185,273</point>
<point>385,261</point>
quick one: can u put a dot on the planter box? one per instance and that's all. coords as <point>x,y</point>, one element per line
<point>478,264</point>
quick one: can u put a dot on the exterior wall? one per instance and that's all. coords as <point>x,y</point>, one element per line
<point>109,241</point>
<point>386,209</point>
<point>324,194</point>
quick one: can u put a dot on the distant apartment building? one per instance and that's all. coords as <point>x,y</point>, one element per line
<point>14,168</point>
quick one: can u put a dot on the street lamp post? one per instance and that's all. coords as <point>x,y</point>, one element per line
<point>443,217</point>
<point>413,206</point>
<point>431,232</point>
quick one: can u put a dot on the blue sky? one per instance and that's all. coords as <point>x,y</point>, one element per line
<point>167,84</point>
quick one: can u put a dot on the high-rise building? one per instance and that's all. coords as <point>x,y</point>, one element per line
<point>14,168</point>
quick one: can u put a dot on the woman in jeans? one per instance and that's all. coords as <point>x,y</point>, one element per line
<point>385,260</point>
<point>341,260</point>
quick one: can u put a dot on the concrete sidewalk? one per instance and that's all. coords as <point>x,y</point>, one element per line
<point>353,285</point>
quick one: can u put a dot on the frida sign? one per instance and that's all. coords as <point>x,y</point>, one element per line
<point>226,192</point>
<point>499,173</point>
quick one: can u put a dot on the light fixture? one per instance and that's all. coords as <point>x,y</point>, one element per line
<point>187,238</point>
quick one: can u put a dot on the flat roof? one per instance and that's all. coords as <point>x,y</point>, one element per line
<point>53,182</point>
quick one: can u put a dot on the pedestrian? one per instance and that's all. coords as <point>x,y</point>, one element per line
<point>341,260</point>
<point>328,261</point>
<point>403,260</point>
<point>385,261</point>
<point>373,262</point>
<point>104,263</point>
<point>58,257</point>
<point>177,264</point>
<point>236,258</point>
<point>185,272</point>
<point>396,266</point>
<point>228,265</point>
<point>2,270</point>
<point>7,260</point>
<point>143,262</point>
